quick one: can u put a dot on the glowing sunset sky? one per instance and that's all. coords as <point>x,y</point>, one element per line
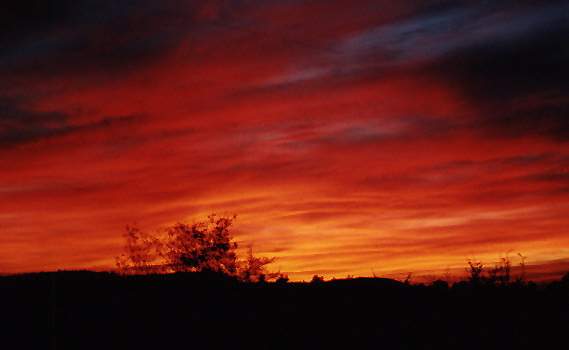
<point>348,136</point>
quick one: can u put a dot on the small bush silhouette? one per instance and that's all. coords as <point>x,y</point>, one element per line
<point>500,273</point>
<point>282,279</point>
<point>440,284</point>
<point>565,278</point>
<point>317,279</point>
<point>475,270</point>
<point>521,279</point>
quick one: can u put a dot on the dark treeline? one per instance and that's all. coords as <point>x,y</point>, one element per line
<point>88,310</point>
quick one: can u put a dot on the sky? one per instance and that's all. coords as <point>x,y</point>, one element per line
<point>349,137</point>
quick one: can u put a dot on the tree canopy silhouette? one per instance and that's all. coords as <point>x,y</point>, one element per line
<point>142,253</point>
<point>204,246</point>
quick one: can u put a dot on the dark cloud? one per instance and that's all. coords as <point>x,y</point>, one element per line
<point>509,68</point>
<point>545,120</point>
<point>507,59</point>
<point>517,84</point>
<point>20,124</point>
<point>91,37</point>
<point>552,176</point>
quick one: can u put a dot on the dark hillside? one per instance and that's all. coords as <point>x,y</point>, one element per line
<point>85,310</point>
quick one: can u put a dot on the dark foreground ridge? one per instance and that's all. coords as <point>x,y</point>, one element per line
<point>87,310</point>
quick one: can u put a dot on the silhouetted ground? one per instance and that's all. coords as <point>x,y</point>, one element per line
<point>84,310</point>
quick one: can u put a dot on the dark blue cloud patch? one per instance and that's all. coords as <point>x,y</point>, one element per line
<point>20,124</point>
<point>517,78</point>
<point>48,38</point>
<point>441,30</point>
<point>529,64</point>
<point>545,120</point>
<point>519,88</point>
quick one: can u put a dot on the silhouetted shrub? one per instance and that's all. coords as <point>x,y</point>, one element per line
<point>500,273</point>
<point>565,278</point>
<point>317,279</point>
<point>522,276</point>
<point>475,270</point>
<point>408,278</point>
<point>282,279</point>
<point>440,284</point>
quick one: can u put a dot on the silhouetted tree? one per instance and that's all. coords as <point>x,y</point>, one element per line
<point>202,246</point>
<point>253,269</point>
<point>205,246</point>
<point>142,253</point>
